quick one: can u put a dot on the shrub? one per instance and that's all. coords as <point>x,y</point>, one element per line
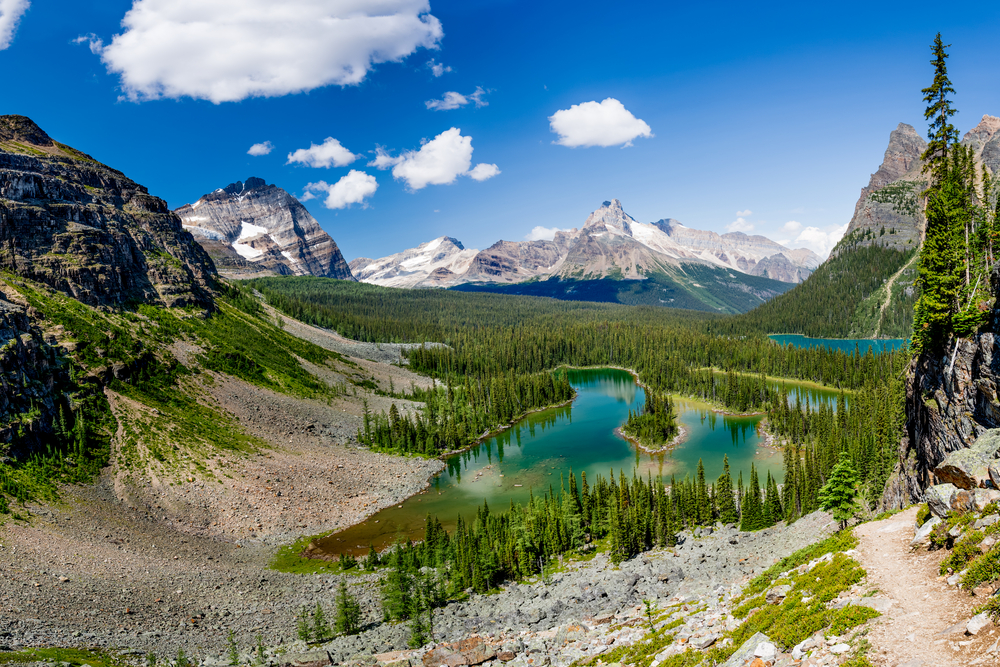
<point>851,617</point>
<point>965,551</point>
<point>923,514</point>
<point>983,570</point>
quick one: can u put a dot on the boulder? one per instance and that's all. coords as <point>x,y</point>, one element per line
<point>970,468</point>
<point>766,651</point>
<point>746,652</point>
<point>923,536</point>
<point>986,496</point>
<point>986,521</point>
<point>963,501</point>
<point>977,623</point>
<point>307,659</point>
<point>994,472</point>
<point>938,499</point>
<point>839,649</point>
<point>777,594</point>
<point>443,656</point>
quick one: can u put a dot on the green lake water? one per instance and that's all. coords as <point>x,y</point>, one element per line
<point>847,345</point>
<point>531,456</point>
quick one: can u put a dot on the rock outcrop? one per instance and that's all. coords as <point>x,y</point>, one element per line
<point>252,228</point>
<point>82,228</point>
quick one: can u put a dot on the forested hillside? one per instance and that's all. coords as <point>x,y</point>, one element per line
<point>843,298</point>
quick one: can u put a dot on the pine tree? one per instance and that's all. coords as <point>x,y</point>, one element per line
<point>347,615</point>
<point>942,133</point>
<point>321,628</point>
<point>839,495</point>
<point>753,511</point>
<point>724,495</point>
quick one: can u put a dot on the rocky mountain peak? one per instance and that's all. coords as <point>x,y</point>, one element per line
<point>455,242</point>
<point>611,217</point>
<point>984,140</point>
<point>902,154</point>
<point>250,227</point>
<point>23,129</point>
<point>239,187</point>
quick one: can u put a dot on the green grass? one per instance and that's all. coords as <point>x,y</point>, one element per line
<point>288,559</point>
<point>75,657</point>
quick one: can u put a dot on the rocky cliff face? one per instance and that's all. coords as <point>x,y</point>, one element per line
<point>952,399</point>
<point>517,261</point>
<point>255,228</point>
<point>85,229</point>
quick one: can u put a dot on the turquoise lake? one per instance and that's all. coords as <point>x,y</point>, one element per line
<point>847,345</point>
<point>533,454</point>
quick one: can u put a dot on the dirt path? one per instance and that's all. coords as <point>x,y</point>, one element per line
<point>919,630</point>
<point>888,293</point>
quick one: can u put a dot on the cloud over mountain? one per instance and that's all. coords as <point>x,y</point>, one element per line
<point>228,50</point>
<point>328,154</point>
<point>607,123</point>
<point>353,188</point>
<point>438,162</point>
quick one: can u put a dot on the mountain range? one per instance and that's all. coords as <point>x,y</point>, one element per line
<point>611,244</point>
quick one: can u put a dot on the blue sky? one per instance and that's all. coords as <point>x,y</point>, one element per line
<point>782,110</point>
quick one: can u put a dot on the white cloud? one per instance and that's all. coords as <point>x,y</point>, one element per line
<point>10,15</point>
<point>819,241</point>
<point>591,124</point>
<point>483,171</point>
<point>228,50</point>
<point>739,225</point>
<point>438,162</point>
<point>328,154</point>
<point>540,233</point>
<point>453,100</point>
<point>261,149</point>
<point>791,227</point>
<point>437,69</point>
<point>351,189</point>
<point>744,214</point>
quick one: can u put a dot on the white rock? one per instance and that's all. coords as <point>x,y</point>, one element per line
<point>840,649</point>
<point>977,623</point>
<point>766,651</point>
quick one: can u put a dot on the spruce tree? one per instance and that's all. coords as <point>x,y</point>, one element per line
<point>347,615</point>
<point>839,495</point>
<point>941,132</point>
<point>321,628</point>
<point>724,495</point>
<point>753,511</point>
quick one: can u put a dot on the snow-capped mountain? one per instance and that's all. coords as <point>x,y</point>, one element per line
<point>611,244</point>
<point>253,228</point>
<point>441,262</point>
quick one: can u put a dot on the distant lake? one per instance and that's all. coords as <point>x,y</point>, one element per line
<point>847,345</point>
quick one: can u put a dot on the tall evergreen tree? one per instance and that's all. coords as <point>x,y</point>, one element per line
<point>724,495</point>
<point>839,495</point>
<point>942,133</point>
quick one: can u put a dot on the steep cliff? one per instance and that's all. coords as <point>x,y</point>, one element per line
<point>437,263</point>
<point>252,228</point>
<point>952,395</point>
<point>85,229</point>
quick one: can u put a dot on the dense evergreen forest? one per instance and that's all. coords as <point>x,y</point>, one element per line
<point>655,425</point>
<point>503,354</point>
<point>826,304</point>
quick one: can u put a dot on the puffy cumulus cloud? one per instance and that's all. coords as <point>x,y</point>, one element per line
<point>328,154</point>
<point>11,12</point>
<point>483,171</point>
<point>437,69</point>
<point>438,162</point>
<point>791,227</point>
<point>353,188</point>
<point>739,225</point>
<point>540,233</point>
<point>819,241</point>
<point>261,149</point>
<point>453,100</point>
<point>607,123</point>
<point>228,50</point>
<point>744,214</point>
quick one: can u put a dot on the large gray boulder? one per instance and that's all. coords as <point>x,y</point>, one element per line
<point>938,499</point>
<point>970,468</point>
